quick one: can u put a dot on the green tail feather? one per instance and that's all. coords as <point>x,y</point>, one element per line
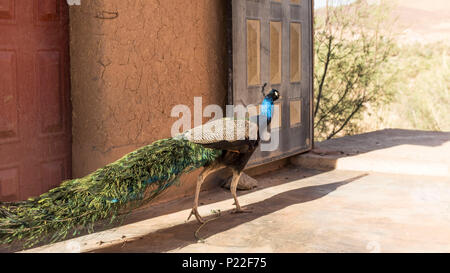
<point>76,205</point>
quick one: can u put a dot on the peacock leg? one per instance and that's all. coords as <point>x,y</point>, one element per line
<point>201,178</point>
<point>233,188</point>
<point>194,210</point>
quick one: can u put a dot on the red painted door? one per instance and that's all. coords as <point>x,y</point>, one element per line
<point>35,112</point>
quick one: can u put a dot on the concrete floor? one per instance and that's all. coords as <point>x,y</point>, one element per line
<point>302,210</point>
<point>388,151</point>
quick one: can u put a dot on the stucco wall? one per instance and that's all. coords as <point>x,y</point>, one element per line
<point>128,72</point>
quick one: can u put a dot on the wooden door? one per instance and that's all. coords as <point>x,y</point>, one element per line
<point>35,113</point>
<point>272,43</point>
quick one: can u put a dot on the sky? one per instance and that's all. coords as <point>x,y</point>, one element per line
<point>321,3</point>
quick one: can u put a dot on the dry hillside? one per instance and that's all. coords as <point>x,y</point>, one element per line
<point>423,21</point>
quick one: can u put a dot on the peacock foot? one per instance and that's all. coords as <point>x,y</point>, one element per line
<point>241,210</point>
<point>194,211</point>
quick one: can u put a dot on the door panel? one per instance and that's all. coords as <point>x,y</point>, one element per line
<point>35,112</point>
<point>272,44</point>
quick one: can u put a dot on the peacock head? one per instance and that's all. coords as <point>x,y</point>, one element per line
<point>273,95</point>
<point>268,103</point>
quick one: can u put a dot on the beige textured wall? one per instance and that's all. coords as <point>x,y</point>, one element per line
<point>127,73</point>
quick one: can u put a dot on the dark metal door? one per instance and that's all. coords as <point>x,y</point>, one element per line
<point>272,43</point>
<point>35,114</point>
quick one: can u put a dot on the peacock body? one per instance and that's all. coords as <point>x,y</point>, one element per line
<point>132,181</point>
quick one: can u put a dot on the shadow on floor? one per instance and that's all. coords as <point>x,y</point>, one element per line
<point>152,210</point>
<point>184,234</point>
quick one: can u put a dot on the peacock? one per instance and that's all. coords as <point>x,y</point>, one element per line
<point>137,178</point>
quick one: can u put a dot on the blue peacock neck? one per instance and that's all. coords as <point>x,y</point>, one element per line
<point>267,109</point>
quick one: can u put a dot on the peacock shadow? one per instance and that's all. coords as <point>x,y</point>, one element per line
<point>182,235</point>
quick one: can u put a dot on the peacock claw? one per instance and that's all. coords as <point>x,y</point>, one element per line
<point>194,212</point>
